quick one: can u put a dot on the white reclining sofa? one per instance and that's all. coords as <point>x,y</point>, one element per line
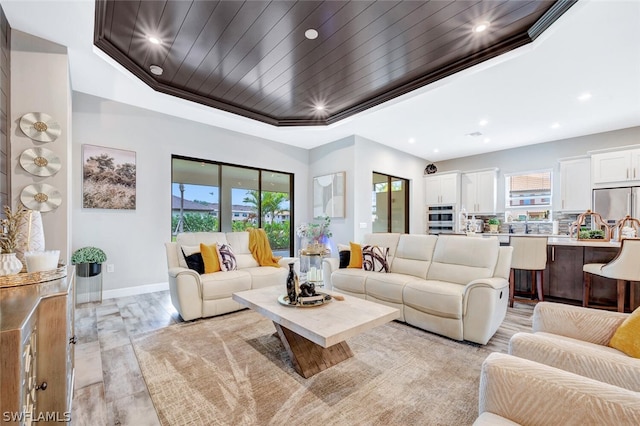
<point>197,296</point>
<point>456,286</point>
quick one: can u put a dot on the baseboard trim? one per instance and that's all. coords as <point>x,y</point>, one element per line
<point>132,291</point>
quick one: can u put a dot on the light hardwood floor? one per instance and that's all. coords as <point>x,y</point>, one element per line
<point>109,388</point>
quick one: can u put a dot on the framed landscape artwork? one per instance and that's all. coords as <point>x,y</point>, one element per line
<point>328,195</point>
<point>108,178</point>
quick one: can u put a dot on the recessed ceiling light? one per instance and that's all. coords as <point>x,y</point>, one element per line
<point>156,70</point>
<point>436,150</point>
<point>555,125</point>
<point>154,40</point>
<point>584,97</point>
<point>483,122</point>
<point>319,107</point>
<point>480,27</point>
<point>311,34</point>
<point>487,140</point>
<point>412,140</point>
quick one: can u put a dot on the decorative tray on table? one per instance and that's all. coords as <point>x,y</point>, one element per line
<point>24,278</point>
<point>307,302</point>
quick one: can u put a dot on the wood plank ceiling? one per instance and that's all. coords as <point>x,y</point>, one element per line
<point>252,57</point>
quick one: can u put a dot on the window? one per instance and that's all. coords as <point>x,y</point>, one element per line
<point>209,196</point>
<point>390,204</point>
<point>531,192</point>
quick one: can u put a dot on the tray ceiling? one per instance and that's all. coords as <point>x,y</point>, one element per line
<point>253,59</point>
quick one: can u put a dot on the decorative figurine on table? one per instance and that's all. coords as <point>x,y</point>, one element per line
<point>307,290</point>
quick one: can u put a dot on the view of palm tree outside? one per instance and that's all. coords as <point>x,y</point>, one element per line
<point>199,203</point>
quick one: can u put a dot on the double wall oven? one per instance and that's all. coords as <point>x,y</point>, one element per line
<point>441,219</point>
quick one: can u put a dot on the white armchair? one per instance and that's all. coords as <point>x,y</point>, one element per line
<point>575,339</point>
<point>516,391</point>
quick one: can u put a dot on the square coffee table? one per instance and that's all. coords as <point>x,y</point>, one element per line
<point>314,337</point>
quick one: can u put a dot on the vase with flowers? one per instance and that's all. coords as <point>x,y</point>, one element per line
<point>9,263</point>
<point>315,235</point>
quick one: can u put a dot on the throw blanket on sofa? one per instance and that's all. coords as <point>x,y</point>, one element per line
<point>260,248</point>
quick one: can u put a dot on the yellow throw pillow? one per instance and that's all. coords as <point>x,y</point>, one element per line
<point>210,258</point>
<point>627,337</point>
<point>355,261</point>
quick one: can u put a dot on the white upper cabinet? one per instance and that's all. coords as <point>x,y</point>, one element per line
<point>575,185</point>
<point>478,191</point>
<point>442,188</point>
<point>616,167</point>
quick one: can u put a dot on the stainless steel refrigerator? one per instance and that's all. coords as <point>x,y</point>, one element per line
<point>614,204</point>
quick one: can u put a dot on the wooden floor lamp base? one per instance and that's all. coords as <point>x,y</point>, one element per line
<point>309,358</point>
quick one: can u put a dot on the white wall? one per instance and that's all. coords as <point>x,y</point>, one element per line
<point>359,158</point>
<point>134,240</point>
<point>40,83</point>
<point>540,156</point>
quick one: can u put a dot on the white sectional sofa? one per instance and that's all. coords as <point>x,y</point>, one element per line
<point>456,286</point>
<point>196,296</point>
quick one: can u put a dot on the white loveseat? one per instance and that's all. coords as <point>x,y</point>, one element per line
<point>456,286</point>
<point>196,296</point>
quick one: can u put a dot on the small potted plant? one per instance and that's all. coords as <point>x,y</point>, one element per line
<point>9,263</point>
<point>494,223</point>
<point>89,261</point>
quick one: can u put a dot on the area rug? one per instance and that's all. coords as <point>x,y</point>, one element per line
<point>233,370</point>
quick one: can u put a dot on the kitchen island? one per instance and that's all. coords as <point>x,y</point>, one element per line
<point>563,276</point>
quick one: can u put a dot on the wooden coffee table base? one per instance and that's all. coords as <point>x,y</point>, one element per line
<point>309,358</point>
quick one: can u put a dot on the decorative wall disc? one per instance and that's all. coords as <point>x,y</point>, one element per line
<point>40,161</point>
<point>41,197</point>
<point>40,127</point>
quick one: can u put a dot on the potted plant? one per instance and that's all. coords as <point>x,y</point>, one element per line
<point>89,261</point>
<point>9,263</point>
<point>494,223</point>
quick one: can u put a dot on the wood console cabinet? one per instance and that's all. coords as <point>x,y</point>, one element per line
<point>36,352</point>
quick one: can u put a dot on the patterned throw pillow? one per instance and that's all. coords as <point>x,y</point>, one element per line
<point>375,258</point>
<point>227,258</point>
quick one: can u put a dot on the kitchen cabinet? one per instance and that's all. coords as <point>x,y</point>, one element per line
<point>616,167</point>
<point>575,185</point>
<point>478,191</point>
<point>442,188</point>
<point>37,336</point>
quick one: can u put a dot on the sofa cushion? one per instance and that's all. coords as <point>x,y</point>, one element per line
<point>383,240</point>
<point>440,298</point>
<point>387,287</point>
<point>227,258</point>
<point>239,242</point>
<point>414,254</point>
<point>375,258</point>
<point>223,284</point>
<point>462,259</point>
<point>350,279</point>
<point>266,276</point>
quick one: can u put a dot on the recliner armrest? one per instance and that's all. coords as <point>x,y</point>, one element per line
<point>179,270</point>
<point>493,282</point>
<point>586,324</point>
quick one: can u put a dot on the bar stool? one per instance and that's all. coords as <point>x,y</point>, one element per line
<point>530,254</point>
<point>624,268</point>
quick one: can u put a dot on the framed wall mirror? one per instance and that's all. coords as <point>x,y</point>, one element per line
<point>328,195</point>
